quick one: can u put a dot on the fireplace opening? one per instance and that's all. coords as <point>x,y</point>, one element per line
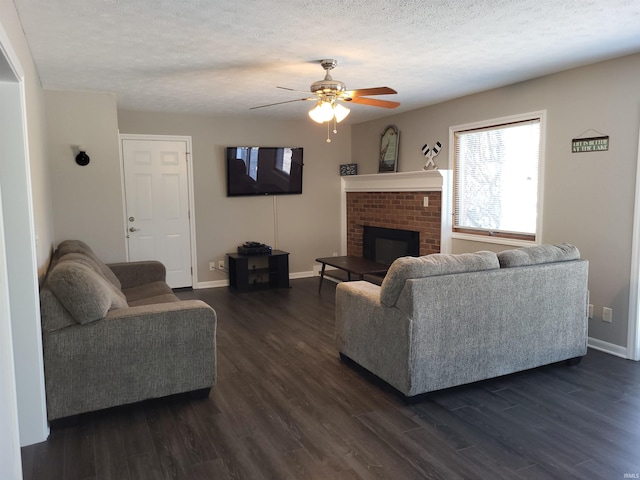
<point>384,245</point>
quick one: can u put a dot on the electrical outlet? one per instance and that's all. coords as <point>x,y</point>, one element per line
<point>590,310</point>
<point>607,314</point>
<point>425,201</point>
<point>220,264</point>
<point>212,266</point>
<point>335,254</point>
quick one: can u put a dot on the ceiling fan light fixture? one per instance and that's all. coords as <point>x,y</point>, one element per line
<point>340,112</point>
<point>326,111</point>
<point>322,112</point>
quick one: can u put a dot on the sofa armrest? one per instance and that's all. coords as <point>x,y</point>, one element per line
<point>168,311</point>
<point>372,334</point>
<point>130,355</point>
<point>132,274</point>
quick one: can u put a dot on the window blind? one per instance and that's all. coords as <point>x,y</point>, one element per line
<point>496,179</point>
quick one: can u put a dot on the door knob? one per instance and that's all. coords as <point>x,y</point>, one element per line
<point>133,229</point>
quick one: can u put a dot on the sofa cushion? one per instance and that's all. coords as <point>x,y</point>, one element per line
<point>148,290</point>
<point>165,298</point>
<point>538,254</point>
<point>78,246</point>
<point>86,295</point>
<point>405,268</point>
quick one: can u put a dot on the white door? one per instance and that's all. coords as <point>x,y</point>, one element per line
<point>157,205</point>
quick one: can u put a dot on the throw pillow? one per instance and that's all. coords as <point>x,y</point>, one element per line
<point>78,246</point>
<point>87,295</point>
<point>91,263</point>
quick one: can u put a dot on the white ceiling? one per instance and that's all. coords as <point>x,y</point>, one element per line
<point>222,57</point>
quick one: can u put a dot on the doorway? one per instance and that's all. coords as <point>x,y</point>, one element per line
<point>157,178</point>
<point>22,390</point>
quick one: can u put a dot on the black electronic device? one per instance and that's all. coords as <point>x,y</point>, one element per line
<point>254,248</point>
<point>264,171</point>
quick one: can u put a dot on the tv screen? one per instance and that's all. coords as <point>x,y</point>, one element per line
<point>264,171</point>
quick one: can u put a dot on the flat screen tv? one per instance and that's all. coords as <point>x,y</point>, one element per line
<point>264,171</point>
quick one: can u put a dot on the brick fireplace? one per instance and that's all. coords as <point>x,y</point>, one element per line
<point>398,210</point>
<point>406,201</point>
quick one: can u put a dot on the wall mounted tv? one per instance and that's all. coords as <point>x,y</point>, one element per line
<point>264,171</point>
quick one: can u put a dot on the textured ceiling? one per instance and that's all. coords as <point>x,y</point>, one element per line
<point>222,57</point>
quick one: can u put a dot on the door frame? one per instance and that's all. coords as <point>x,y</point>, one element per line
<point>192,215</point>
<point>633,328</point>
<point>20,250</point>
<point>10,459</point>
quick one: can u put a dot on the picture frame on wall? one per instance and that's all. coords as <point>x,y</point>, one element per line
<point>389,143</point>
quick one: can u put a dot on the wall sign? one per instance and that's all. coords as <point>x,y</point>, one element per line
<point>592,144</point>
<point>429,154</point>
<point>349,169</point>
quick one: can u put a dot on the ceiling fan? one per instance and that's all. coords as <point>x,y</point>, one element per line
<point>329,94</point>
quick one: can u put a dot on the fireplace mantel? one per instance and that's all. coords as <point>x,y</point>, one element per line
<point>421,181</point>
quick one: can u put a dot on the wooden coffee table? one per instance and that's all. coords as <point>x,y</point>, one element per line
<point>350,264</point>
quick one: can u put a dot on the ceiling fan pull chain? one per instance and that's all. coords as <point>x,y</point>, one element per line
<point>328,138</point>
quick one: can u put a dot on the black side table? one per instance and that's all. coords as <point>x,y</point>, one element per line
<point>253,272</point>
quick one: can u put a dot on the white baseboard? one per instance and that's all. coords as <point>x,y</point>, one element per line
<point>295,275</point>
<point>317,268</point>
<point>607,347</point>
<point>225,283</point>
<point>212,284</point>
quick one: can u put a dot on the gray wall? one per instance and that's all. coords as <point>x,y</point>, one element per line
<point>307,225</point>
<point>588,197</point>
<point>87,200</point>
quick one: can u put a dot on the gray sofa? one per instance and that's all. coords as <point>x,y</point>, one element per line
<point>444,320</point>
<point>117,334</point>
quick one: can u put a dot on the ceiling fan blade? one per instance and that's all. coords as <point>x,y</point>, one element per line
<point>280,103</point>
<point>371,91</point>
<point>293,89</point>
<point>373,102</point>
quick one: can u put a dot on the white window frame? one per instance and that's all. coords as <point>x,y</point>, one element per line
<point>494,122</point>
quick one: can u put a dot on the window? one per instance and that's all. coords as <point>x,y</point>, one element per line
<point>283,160</point>
<point>250,158</point>
<point>497,168</point>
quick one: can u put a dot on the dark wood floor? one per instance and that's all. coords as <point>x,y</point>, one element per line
<point>286,407</point>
